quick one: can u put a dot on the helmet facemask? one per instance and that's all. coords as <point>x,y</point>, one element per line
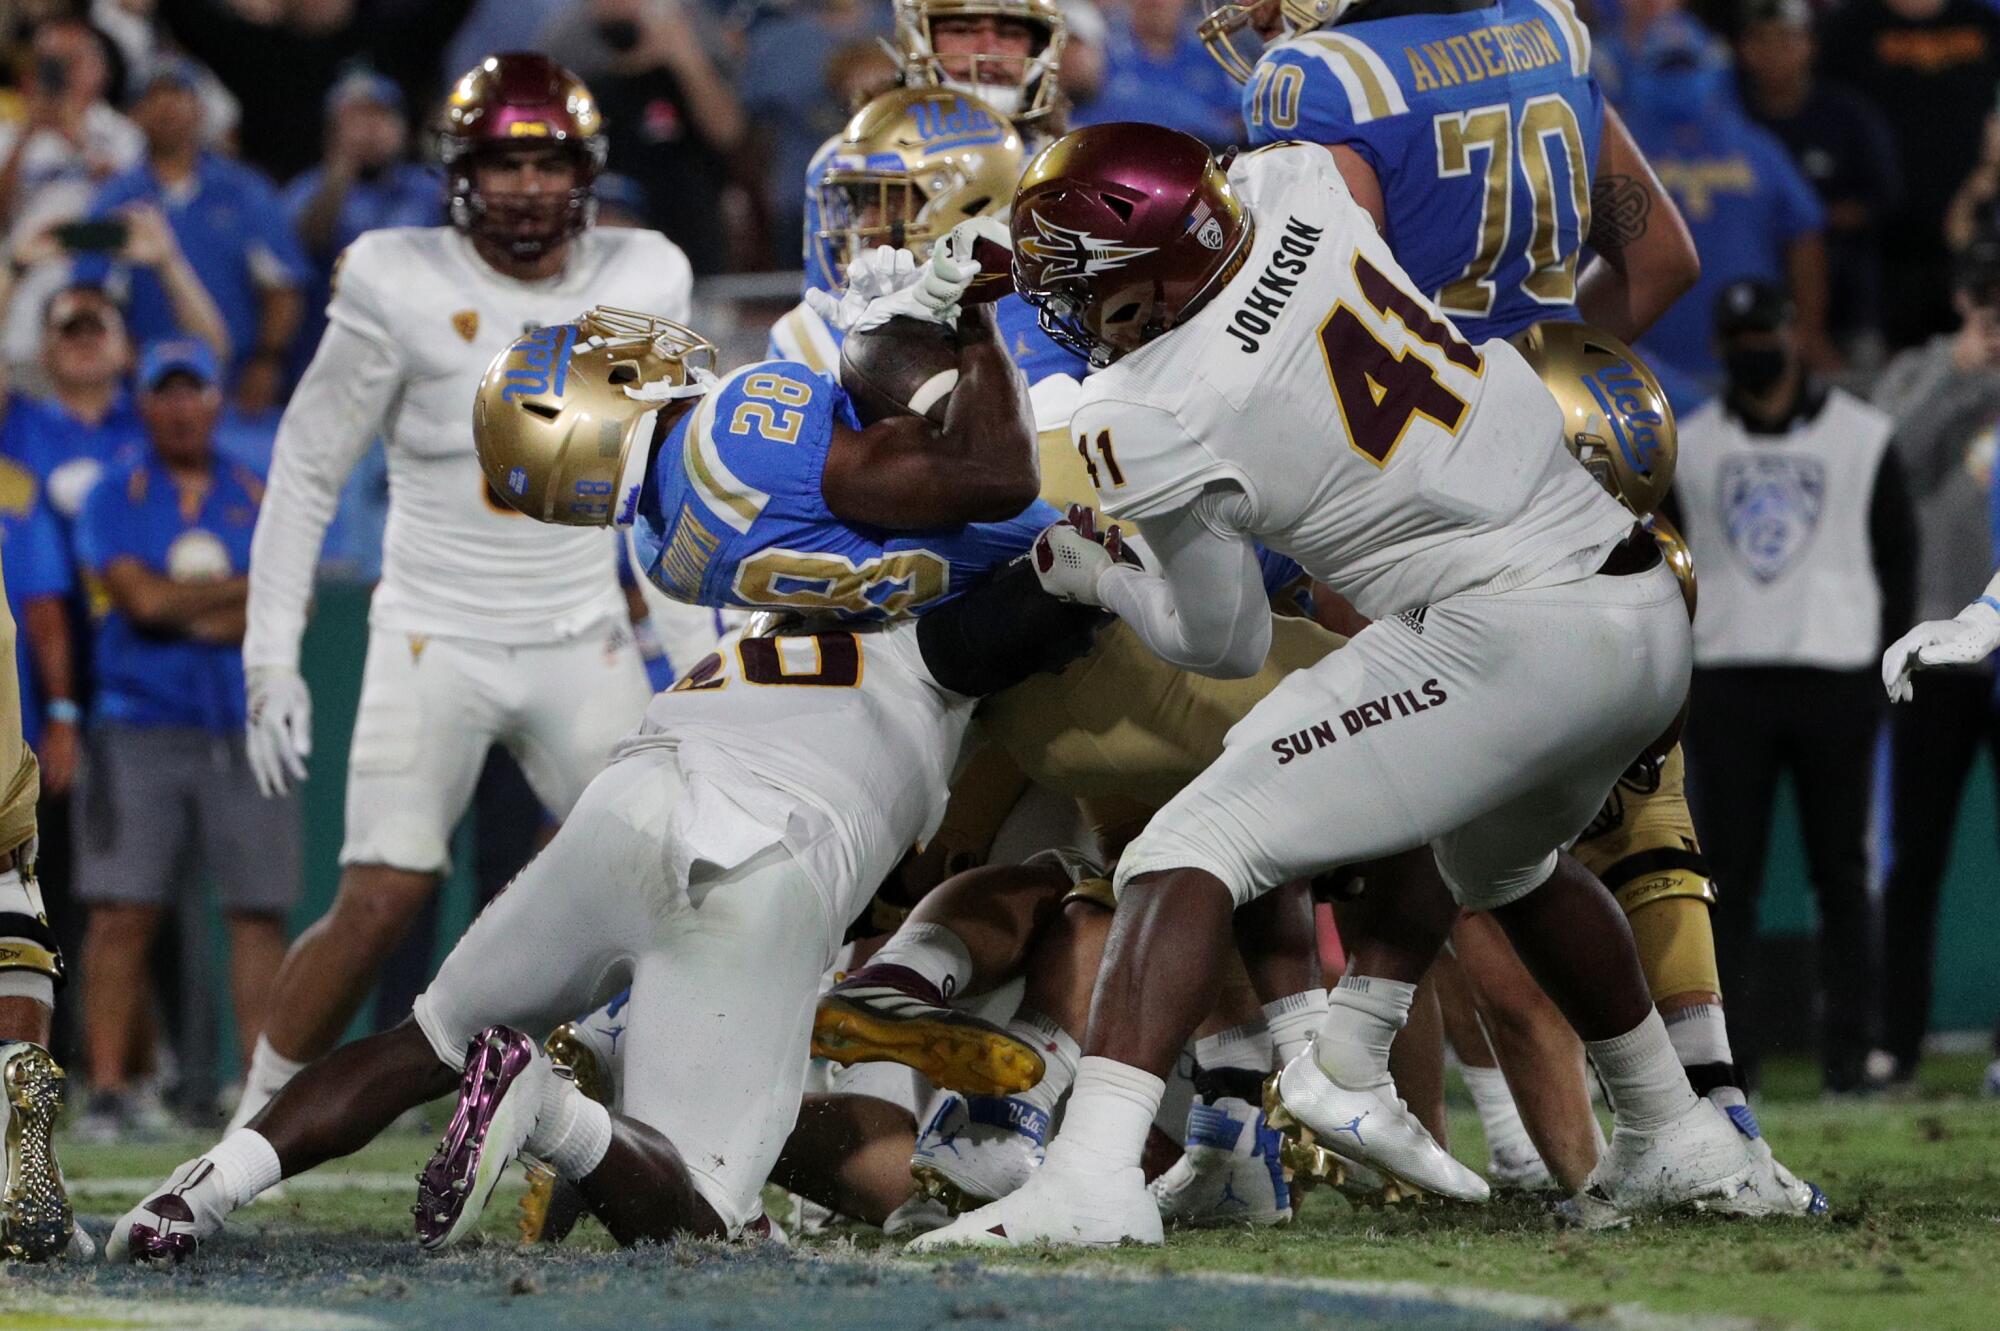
<point>525,225</point>
<point>1022,87</point>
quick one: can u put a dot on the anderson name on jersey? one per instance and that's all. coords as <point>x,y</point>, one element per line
<point>1441,468</point>
<point>1482,122</point>
<point>415,319</point>
<point>732,513</point>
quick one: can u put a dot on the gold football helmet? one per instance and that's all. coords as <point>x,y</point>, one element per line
<point>911,165</point>
<point>1615,416</point>
<point>558,410</point>
<point>1679,558</point>
<point>1022,89</point>
<point>1222,28</point>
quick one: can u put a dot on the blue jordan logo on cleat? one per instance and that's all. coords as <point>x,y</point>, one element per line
<point>1353,1125</point>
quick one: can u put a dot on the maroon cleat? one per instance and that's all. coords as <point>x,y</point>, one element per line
<point>499,1098</point>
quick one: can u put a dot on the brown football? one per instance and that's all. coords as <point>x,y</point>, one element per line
<point>905,367</point>
<point>996,273</point>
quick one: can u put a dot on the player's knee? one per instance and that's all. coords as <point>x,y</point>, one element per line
<point>1675,939</point>
<point>1182,857</point>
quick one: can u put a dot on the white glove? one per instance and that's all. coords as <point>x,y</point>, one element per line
<point>1070,556</point>
<point>886,284</point>
<point>278,731</point>
<point>1941,642</point>
<point>876,275</point>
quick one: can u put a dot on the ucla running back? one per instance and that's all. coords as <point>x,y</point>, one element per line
<point>715,863</point>
<point>1491,158</point>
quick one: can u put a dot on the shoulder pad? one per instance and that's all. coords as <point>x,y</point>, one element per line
<point>1362,76</point>
<point>1140,458</point>
<point>1570,30</point>
<point>762,434</point>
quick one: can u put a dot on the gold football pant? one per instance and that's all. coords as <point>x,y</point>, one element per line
<point>1643,846</point>
<point>30,966</point>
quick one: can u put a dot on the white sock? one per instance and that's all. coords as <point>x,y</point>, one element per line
<point>1506,1134</point>
<point>245,1165</point>
<point>932,951</point>
<point>1641,1076</point>
<point>268,1072</point>
<point>572,1133</point>
<point>1110,1111</point>
<point>1699,1035</point>
<point>1060,1055</point>
<point>1292,1020</point>
<point>1363,1014</point>
<point>1246,1048</point>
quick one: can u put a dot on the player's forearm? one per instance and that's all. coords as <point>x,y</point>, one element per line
<point>1645,257</point>
<point>45,620</point>
<point>164,605</point>
<point>328,425</point>
<point>224,624</point>
<point>1205,609</point>
<point>989,430</point>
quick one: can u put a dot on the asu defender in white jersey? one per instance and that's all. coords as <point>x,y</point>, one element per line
<point>1268,375</point>
<point>486,627</point>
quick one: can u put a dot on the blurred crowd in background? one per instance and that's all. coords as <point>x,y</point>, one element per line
<point>178,178</point>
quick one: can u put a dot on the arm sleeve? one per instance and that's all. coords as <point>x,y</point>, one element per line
<point>1205,610</point>
<point>1892,543</point>
<point>332,418</point>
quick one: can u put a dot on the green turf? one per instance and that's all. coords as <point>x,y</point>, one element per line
<point>1913,1243</point>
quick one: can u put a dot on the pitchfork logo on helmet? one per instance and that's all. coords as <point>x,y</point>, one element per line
<point>1063,253</point>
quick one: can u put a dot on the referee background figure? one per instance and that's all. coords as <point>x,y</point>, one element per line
<point>1795,507</point>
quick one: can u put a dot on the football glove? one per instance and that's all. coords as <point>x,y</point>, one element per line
<point>278,729</point>
<point>1969,638</point>
<point>1071,555</point>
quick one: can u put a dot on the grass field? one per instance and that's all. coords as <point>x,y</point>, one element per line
<point>1913,1243</point>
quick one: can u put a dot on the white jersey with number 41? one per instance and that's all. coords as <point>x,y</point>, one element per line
<point>1395,461</point>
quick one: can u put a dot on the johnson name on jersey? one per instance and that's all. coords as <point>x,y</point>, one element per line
<point>732,513</point>
<point>1394,460</point>
<point>415,319</point>
<point>1482,122</point>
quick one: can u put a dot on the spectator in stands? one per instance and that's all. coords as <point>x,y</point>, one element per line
<point>1945,397</point>
<point>40,581</point>
<point>1842,145</point>
<point>1156,69</point>
<point>505,25</point>
<point>1082,72</point>
<point>364,182</point>
<point>1753,215</point>
<point>785,90</point>
<point>1975,209</point>
<point>83,418</point>
<point>166,785</point>
<point>1793,503</point>
<point>672,119</point>
<point>280,58</point>
<point>1930,67</point>
<point>227,219</point>
<point>70,139</point>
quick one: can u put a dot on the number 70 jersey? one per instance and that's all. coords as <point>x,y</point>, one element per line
<point>1482,125</point>
<point>1369,441</point>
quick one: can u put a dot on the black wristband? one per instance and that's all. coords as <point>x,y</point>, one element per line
<point>1003,631</point>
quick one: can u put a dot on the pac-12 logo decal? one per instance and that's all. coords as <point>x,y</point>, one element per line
<point>1064,252</point>
<point>1771,506</point>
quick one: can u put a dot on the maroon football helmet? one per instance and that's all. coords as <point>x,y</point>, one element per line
<point>1122,232</point>
<point>513,100</point>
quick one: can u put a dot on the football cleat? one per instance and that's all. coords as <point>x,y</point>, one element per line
<point>173,1220</point>
<point>1231,1173</point>
<point>1774,1190</point>
<point>499,1097</point>
<point>36,1222</point>
<point>1519,1169</point>
<point>551,1206</point>
<point>977,1149</point>
<point>891,1014</point>
<point>1308,1165</point>
<point>1697,1162</point>
<point>1373,1127</point>
<point>919,1215</point>
<point>1066,1202</point>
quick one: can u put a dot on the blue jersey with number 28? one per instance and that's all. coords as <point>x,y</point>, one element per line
<point>1482,123</point>
<point>732,513</point>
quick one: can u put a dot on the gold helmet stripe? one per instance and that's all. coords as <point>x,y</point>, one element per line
<point>1371,89</point>
<point>1564,13</point>
<point>734,501</point>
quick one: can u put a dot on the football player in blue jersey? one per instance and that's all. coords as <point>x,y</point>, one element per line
<point>1474,133</point>
<point>908,167</point>
<point>1476,136</point>
<point>713,866</point>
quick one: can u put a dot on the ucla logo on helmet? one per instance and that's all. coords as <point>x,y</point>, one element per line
<point>952,118</point>
<point>538,364</point>
<point>517,480</point>
<point>1635,423</point>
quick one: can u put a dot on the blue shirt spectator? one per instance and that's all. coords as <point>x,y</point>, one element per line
<point>362,183</point>
<point>167,536</point>
<point>35,560</point>
<point>86,420</point>
<point>1157,70</point>
<point>1746,202</point>
<point>227,220</point>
